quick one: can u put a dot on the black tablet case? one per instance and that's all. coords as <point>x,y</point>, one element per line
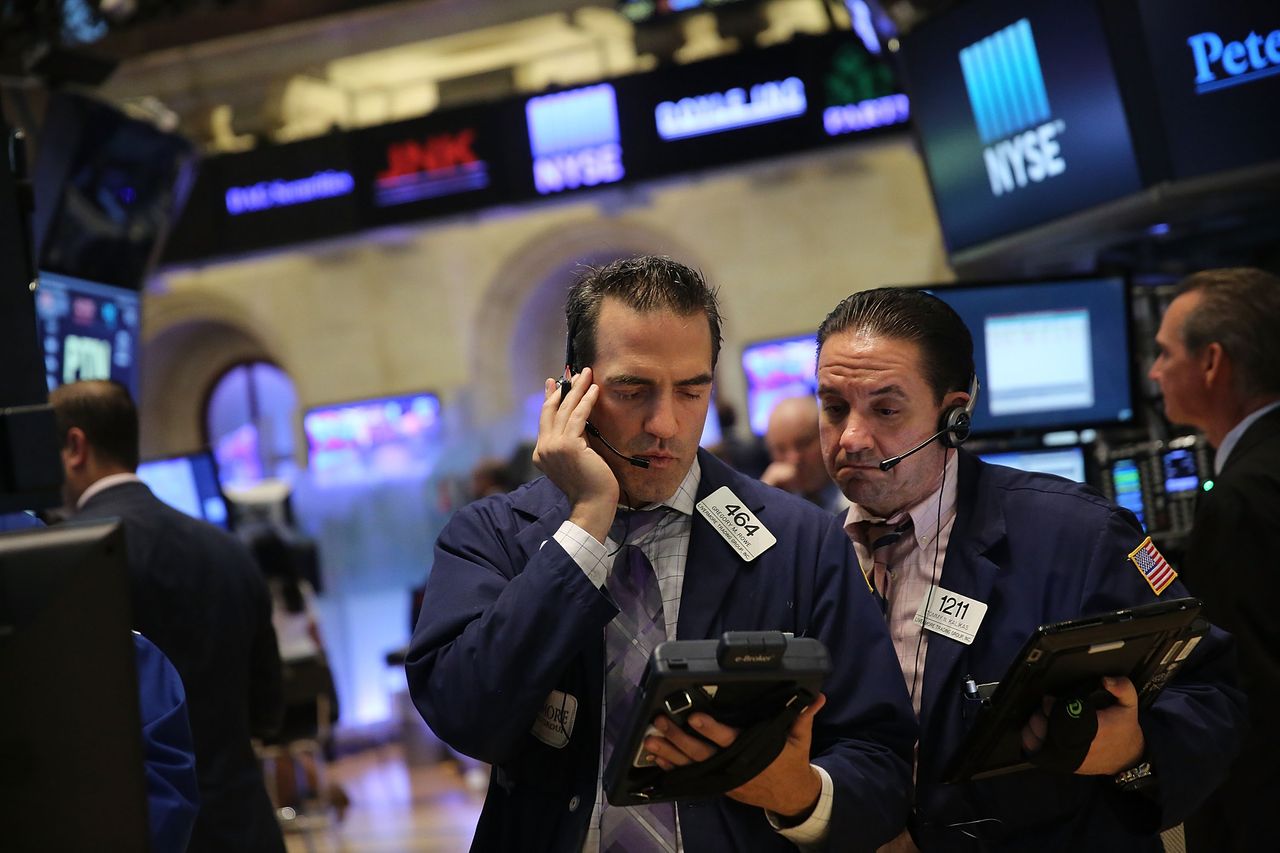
<point>756,681</point>
<point>1147,644</point>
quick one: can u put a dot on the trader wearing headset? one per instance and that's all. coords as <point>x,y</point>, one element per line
<point>930,523</point>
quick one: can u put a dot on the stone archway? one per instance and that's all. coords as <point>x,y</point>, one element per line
<point>189,340</point>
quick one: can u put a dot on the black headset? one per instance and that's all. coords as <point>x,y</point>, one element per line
<point>956,422</point>
<point>570,361</point>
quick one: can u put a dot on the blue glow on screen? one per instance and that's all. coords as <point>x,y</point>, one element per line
<point>265,195</point>
<point>1067,462</point>
<point>575,139</point>
<point>88,331</point>
<point>188,484</point>
<point>732,109</point>
<point>776,370</point>
<point>390,438</point>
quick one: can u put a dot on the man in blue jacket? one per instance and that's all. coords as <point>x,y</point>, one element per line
<point>1015,550</point>
<point>514,661</point>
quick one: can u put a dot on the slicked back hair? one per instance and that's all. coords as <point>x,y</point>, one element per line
<point>107,415</point>
<point>946,347</point>
<point>644,284</point>
<point>1239,309</point>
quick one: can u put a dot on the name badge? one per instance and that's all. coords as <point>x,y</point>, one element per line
<point>554,723</point>
<point>737,524</point>
<point>950,614</point>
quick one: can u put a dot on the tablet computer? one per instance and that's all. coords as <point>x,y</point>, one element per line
<point>755,681</point>
<point>1146,644</point>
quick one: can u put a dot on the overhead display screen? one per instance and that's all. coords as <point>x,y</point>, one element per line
<point>1217,74</point>
<point>1049,354</point>
<point>88,331</point>
<point>437,164</point>
<point>809,92</point>
<point>1019,116</point>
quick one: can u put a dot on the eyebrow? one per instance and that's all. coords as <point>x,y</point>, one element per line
<point>632,379</point>
<point>885,391</point>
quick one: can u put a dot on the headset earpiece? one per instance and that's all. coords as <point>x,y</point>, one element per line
<point>957,422</point>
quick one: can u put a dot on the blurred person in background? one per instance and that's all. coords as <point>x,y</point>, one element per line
<point>796,454</point>
<point>1218,366</point>
<point>308,680</point>
<point>197,594</point>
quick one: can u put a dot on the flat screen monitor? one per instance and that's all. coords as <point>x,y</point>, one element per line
<point>71,757</point>
<point>1049,354</point>
<point>87,331</point>
<point>188,483</point>
<point>1181,473</point>
<point>1019,115</point>
<point>778,369</point>
<point>1126,482</point>
<point>387,438</point>
<point>1065,462</point>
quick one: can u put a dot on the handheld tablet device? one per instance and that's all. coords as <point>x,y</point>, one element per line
<point>1147,644</point>
<point>755,681</point>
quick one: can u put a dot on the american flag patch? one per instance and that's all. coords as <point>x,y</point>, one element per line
<point>1153,566</point>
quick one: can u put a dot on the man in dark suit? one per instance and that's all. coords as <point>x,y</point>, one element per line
<point>522,606</point>
<point>197,594</point>
<point>1010,551</point>
<point>1218,367</point>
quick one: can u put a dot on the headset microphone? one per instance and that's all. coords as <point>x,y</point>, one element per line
<point>954,427</point>
<point>638,461</point>
<point>886,464</point>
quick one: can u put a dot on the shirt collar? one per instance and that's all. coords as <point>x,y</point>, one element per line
<point>105,483</point>
<point>1233,437</point>
<point>925,514</point>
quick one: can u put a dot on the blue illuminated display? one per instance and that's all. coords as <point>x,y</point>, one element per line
<point>1005,84</point>
<point>574,138</point>
<point>1244,61</point>
<point>716,112</point>
<point>265,195</point>
<point>1006,90</point>
<point>866,115</point>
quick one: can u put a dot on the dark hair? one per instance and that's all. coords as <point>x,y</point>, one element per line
<point>106,414</point>
<point>946,347</point>
<point>276,560</point>
<point>1239,309</point>
<point>644,284</point>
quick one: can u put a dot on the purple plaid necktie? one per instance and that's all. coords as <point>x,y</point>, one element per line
<point>629,639</point>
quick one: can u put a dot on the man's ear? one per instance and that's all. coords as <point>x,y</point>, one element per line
<point>1214,365</point>
<point>75,450</point>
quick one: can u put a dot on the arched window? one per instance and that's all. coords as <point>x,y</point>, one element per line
<point>249,424</point>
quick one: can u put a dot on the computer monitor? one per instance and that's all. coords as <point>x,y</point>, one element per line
<point>1065,462</point>
<point>1050,354</point>
<point>88,330</point>
<point>777,369</point>
<point>387,438</point>
<point>71,757</point>
<point>1181,473</point>
<point>188,483</point>
<point>1126,482</point>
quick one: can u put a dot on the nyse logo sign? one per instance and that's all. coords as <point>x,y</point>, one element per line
<point>574,139</point>
<point>1006,91</point>
<point>1222,64</point>
<point>440,165</point>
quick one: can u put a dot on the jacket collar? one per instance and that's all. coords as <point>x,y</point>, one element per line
<point>1257,432</point>
<point>968,569</point>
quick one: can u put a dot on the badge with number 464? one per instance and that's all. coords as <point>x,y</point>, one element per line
<point>737,524</point>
